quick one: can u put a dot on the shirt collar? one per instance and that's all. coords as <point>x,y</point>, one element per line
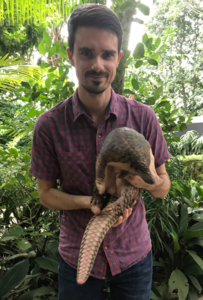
<point>78,109</point>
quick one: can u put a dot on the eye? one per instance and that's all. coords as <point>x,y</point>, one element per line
<point>107,55</point>
<point>87,53</point>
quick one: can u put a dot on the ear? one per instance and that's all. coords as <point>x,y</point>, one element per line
<point>119,57</point>
<point>70,57</point>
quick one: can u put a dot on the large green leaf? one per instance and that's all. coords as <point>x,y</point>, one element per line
<point>189,120</point>
<point>155,294</point>
<point>32,113</point>
<point>170,252</point>
<point>21,178</point>
<point>144,38</point>
<point>163,103</point>
<point>47,38</point>
<point>42,48</point>
<point>52,51</point>
<point>151,100</point>
<point>183,126</point>
<point>197,241</point>
<point>13,151</point>
<point>196,258</point>
<point>138,63</point>
<point>152,62</point>
<point>119,2</point>
<point>149,42</point>
<point>163,48</point>
<point>183,220</point>
<point>47,83</point>
<point>179,281</point>
<point>157,42</point>
<point>23,244</point>
<point>158,92</point>
<point>173,113</point>
<point>197,226</point>
<point>13,277</point>
<point>45,290</point>
<point>139,51</point>
<point>175,240</point>
<point>155,56</point>
<point>48,264</point>
<point>135,84</point>
<point>195,282</point>
<point>189,234</point>
<point>144,9</point>
<point>126,5</point>
<point>17,230</point>
<point>192,294</point>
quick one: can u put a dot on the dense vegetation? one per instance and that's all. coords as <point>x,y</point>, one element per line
<point>155,74</point>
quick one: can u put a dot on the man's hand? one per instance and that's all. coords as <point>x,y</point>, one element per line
<point>115,188</point>
<point>162,183</point>
<point>127,212</point>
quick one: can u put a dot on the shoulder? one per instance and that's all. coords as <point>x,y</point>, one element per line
<point>55,113</point>
<point>136,107</point>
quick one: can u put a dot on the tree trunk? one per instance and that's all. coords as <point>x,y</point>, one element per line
<point>126,21</point>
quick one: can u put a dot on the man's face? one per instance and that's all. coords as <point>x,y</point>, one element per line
<point>95,58</point>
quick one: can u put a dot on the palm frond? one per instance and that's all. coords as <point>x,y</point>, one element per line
<point>198,145</point>
<point>33,10</point>
<point>12,72</point>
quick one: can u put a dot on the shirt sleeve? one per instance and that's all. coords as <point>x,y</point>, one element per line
<point>44,163</point>
<point>154,134</point>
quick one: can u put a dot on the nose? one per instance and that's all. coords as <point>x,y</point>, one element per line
<point>97,64</point>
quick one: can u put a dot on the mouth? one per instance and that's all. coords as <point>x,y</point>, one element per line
<point>97,78</point>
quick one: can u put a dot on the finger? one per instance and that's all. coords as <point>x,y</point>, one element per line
<point>127,213</point>
<point>120,220</point>
<point>134,202</point>
<point>96,210</point>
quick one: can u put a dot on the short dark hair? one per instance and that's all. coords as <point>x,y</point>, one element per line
<point>93,15</point>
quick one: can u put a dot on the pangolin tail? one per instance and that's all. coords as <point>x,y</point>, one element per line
<point>94,234</point>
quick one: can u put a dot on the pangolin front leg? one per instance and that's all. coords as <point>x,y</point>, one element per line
<point>98,227</point>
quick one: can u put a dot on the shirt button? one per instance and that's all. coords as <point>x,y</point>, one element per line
<point>100,135</point>
<point>106,248</point>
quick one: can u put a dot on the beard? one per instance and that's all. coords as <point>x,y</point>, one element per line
<point>95,87</point>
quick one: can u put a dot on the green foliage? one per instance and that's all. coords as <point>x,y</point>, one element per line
<point>149,89</point>
<point>190,143</point>
<point>181,259</point>
<point>13,277</point>
<point>29,232</point>
<point>36,238</point>
<point>181,62</point>
<point>12,72</point>
<point>19,41</point>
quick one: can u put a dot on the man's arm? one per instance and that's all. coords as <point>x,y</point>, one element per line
<point>52,198</point>
<point>162,183</point>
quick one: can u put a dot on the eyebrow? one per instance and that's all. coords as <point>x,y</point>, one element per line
<point>91,49</point>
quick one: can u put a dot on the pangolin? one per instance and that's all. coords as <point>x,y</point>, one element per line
<point>124,152</point>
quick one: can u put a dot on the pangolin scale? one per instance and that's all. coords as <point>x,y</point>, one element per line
<point>124,152</point>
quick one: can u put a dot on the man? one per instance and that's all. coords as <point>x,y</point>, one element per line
<point>67,140</point>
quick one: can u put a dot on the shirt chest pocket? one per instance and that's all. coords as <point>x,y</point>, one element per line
<point>78,170</point>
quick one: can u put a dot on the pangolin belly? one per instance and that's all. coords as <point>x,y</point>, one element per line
<point>127,152</point>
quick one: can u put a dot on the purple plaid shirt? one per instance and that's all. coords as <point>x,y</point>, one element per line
<point>65,146</point>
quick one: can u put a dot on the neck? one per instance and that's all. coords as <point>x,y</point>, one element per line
<point>95,105</point>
